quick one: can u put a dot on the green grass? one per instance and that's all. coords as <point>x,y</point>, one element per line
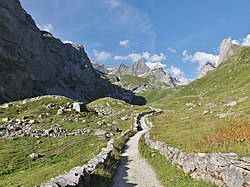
<point>18,169</point>
<point>185,127</point>
<point>168,174</point>
<point>59,154</point>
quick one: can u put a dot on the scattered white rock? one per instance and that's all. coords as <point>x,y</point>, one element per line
<point>231,104</point>
<point>6,119</point>
<point>205,112</point>
<point>221,115</point>
<point>34,156</point>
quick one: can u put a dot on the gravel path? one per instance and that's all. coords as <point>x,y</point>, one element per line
<point>134,170</point>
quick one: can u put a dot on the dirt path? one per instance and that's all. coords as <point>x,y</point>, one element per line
<point>134,170</point>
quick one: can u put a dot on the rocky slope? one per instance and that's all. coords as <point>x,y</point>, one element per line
<point>34,62</point>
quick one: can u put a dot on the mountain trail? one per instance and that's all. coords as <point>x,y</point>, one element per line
<point>134,169</point>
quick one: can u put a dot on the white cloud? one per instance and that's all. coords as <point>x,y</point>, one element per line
<point>237,42</point>
<point>46,27</point>
<point>175,72</point>
<point>144,55</point>
<point>246,40</point>
<point>67,42</point>
<point>153,65</point>
<point>171,50</point>
<point>101,55</point>
<point>124,43</point>
<point>200,57</point>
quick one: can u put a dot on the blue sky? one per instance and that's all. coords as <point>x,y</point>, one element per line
<point>180,35</point>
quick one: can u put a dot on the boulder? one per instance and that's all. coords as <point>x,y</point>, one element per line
<point>79,106</point>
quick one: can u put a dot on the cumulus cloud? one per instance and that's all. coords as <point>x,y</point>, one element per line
<point>46,27</point>
<point>237,42</point>
<point>153,65</point>
<point>171,50</point>
<point>200,57</point>
<point>124,43</point>
<point>175,71</point>
<point>101,55</point>
<point>142,56</point>
<point>246,40</point>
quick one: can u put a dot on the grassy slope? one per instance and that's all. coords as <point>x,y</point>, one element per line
<point>60,154</point>
<point>185,127</point>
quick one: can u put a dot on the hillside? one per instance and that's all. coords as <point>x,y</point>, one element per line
<point>46,136</point>
<point>211,114</point>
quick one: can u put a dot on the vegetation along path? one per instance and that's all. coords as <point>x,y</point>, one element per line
<point>134,169</point>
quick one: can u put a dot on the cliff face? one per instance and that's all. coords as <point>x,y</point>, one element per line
<point>34,62</point>
<point>226,50</point>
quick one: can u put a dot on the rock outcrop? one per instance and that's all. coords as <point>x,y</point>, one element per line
<point>205,69</point>
<point>34,62</point>
<point>226,50</point>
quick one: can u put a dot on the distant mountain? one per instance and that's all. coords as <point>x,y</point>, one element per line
<point>140,69</point>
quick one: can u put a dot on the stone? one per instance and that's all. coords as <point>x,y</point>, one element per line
<point>79,107</point>
<point>100,132</point>
<point>115,129</point>
<point>124,118</point>
<point>60,111</point>
<point>231,104</point>
<point>6,119</point>
<point>233,177</point>
<point>32,121</point>
<point>6,105</point>
<point>221,115</point>
<point>205,112</point>
<point>50,105</point>
<point>34,156</point>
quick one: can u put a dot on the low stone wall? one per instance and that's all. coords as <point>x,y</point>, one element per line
<point>223,169</point>
<point>81,176</point>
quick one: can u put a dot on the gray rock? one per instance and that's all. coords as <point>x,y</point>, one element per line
<point>115,129</point>
<point>233,177</point>
<point>205,112</point>
<point>34,156</point>
<point>6,119</point>
<point>100,132</point>
<point>79,107</point>
<point>60,111</point>
<point>231,104</point>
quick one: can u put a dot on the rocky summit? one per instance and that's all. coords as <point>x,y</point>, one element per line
<point>140,69</point>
